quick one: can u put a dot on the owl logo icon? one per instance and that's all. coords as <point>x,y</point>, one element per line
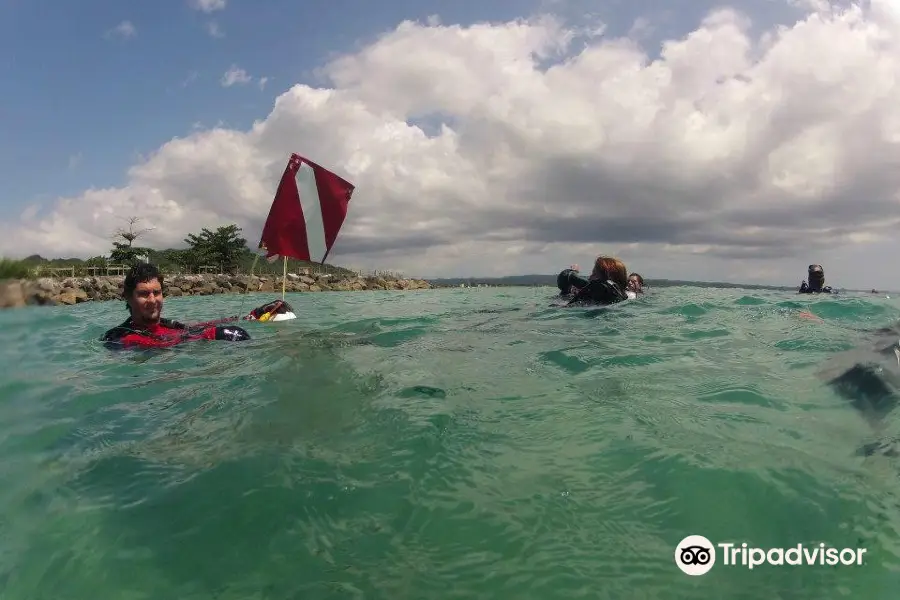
<point>695,555</point>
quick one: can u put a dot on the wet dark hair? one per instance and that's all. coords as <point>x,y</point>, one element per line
<point>639,278</point>
<point>140,273</point>
<point>816,273</point>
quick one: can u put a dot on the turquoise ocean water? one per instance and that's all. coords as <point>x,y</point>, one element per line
<point>462,443</point>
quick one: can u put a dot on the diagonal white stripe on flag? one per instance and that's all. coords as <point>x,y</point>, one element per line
<point>312,212</point>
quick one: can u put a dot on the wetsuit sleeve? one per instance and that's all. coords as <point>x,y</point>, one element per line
<point>578,281</point>
<point>202,332</point>
<point>231,333</point>
<point>568,279</point>
<point>123,337</point>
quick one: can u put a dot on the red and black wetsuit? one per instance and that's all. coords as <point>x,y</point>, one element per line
<point>168,333</point>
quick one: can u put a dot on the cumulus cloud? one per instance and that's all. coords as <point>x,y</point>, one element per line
<point>526,146</point>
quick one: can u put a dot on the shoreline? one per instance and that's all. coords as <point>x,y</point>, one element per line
<point>48,291</point>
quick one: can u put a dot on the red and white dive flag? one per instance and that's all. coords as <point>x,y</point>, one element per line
<point>307,213</point>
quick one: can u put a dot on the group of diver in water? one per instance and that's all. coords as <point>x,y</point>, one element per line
<point>608,283</point>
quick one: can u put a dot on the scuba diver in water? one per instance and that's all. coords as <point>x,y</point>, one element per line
<point>635,283</point>
<point>816,285</point>
<point>608,283</point>
<point>277,310</point>
<point>145,326</point>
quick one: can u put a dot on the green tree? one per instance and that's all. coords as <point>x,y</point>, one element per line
<point>187,259</point>
<point>96,261</point>
<point>223,247</point>
<point>125,251</point>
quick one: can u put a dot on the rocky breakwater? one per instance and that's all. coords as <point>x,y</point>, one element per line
<point>74,290</point>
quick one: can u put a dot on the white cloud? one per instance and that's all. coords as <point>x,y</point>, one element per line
<point>728,157</point>
<point>207,6</point>
<point>125,29</point>
<point>214,30</point>
<point>235,76</point>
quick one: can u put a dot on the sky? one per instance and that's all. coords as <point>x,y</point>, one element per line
<point>722,142</point>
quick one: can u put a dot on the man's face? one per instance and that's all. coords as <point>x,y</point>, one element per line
<point>146,302</point>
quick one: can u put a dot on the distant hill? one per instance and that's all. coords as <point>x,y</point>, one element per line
<point>550,280</point>
<point>509,280</point>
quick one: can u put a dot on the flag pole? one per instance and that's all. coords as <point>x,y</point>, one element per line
<point>283,278</point>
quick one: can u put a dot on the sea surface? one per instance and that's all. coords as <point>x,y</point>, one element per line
<point>443,444</point>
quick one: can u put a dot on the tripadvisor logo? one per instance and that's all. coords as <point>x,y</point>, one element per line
<point>696,555</point>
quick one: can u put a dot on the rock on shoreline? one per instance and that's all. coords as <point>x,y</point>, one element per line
<point>73,290</point>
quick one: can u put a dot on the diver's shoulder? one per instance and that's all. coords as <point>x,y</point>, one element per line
<point>605,292</point>
<point>118,332</point>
